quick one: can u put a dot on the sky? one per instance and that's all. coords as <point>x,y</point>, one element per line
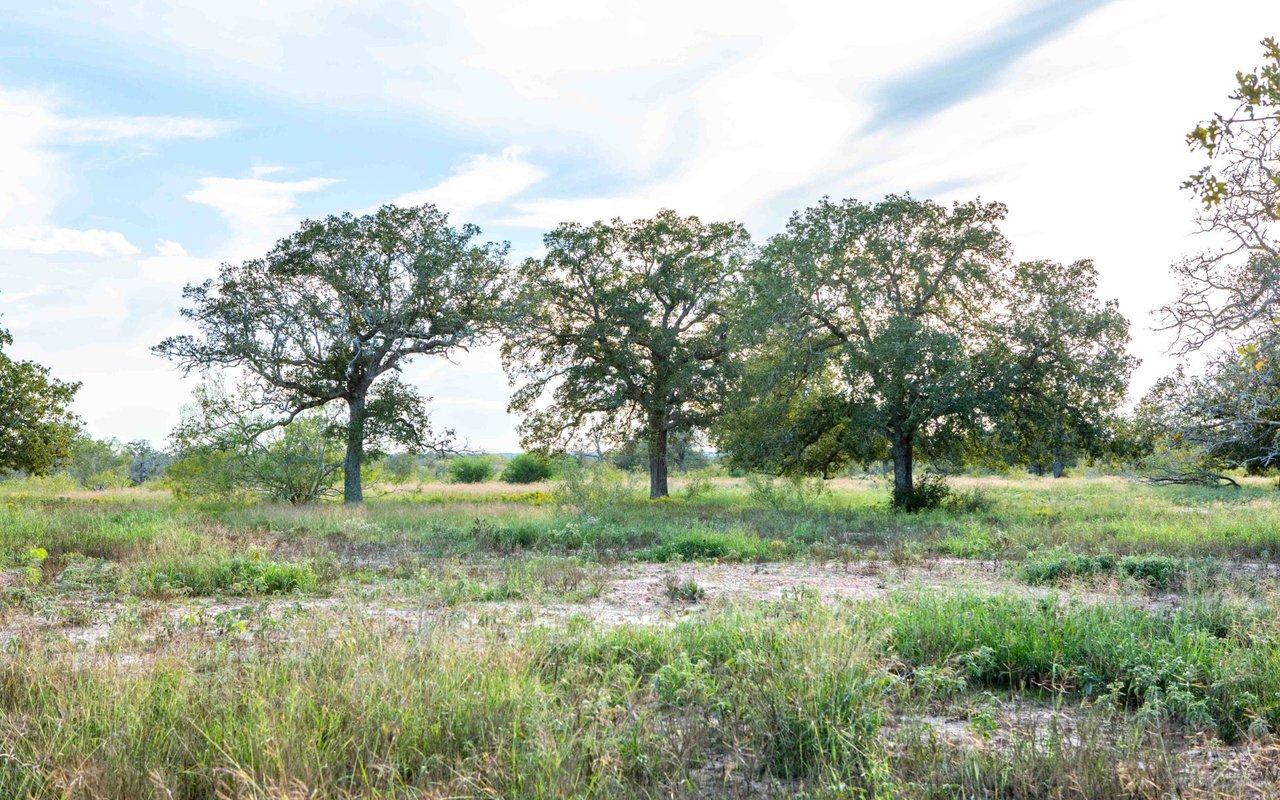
<point>143,143</point>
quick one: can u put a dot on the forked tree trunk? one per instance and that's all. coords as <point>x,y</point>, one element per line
<point>352,490</point>
<point>657,462</point>
<point>901,450</point>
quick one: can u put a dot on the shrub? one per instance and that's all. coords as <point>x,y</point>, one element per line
<point>597,491</point>
<point>971,501</point>
<point>1161,572</point>
<point>526,468</point>
<point>929,492</point>
<point>298,463</point>
<point>794,493</point>
<point>470,469</point>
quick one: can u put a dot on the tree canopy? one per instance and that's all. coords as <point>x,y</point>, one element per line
<point>624,329</point>
<point>37,428</point>
<point>335,310</point>
<point>902,326</point>
<point>1230,292</point>
<point>1066,367</point>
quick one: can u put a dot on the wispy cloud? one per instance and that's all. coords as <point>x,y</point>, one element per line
<point>481,180</point>
<point>52,241</point>
<point>86,130</point>
<point>257,211</point>
<point>970,70</point>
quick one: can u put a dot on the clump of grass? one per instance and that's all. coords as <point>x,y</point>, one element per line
<point>1054,568</point>
<point>683,591</point>
<point>1161,572</point>
<point>714,546</point>
<point>1157,571</point>
<point>1169,666</point>
<point>234,575</point>
<point>358,710</point>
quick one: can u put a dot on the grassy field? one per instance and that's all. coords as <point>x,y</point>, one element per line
<point>1039,638</point>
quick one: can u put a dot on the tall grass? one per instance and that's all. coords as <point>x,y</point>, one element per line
<point>792,696</point>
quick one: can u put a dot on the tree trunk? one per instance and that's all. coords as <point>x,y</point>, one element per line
<point>657,462</point>
<point>352,490</point>
<point>902,452</point>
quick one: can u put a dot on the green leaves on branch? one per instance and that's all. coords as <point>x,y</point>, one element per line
<point>624,330</point>
<point>334,308</point>
<point>37,428</point>
<point>900,327</point>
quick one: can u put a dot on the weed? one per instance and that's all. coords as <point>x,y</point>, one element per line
<point>684,590</point>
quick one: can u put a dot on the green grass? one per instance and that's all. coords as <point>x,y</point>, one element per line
<point>1037,515</point>
<point>1175,666</point>
<point>211,576</point>
<point>793,694</point>
<point>459,690</point>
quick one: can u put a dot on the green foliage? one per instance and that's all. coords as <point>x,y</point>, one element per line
<point>37,427</point>
<point>683,591</point>
<point>336,309</point>
<point>1258,96</point>
<point>526,468</point>
<point>902,327</point>
<point>470,469</point>
<point>790,494</point>
<point>146,462</point>
<point>400,468</point>
<point>596,490</point>
<point>1158,571</point>
<point>98,464</point>
<point>1168,666</point>
<point>205,575</point>
<point>928,493</point>
<point>1067,369</point>
<point>206,474</point>
<point>628,328</point>
<point>713,546</point>
<point>1054,568</point>
<point>223,455</point>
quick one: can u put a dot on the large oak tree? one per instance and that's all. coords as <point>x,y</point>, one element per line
<point>336,309</point>
<point>891,329</point>
<point>625,329</point>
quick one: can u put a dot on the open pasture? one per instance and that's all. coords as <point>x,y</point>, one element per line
<point>1085,637</point>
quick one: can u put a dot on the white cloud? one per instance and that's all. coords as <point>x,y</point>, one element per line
<point>743,110</point>
<point>257,211</point>
<point>27,294</point>
<point>481,180</point>
<point>45,240</point>
<point>81,130</point>
<point>34,177</point>
<point>167,248</point>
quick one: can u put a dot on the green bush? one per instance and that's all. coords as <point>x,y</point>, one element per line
<point>929,492</point>
<point>1171,667</point>
<point>526,468</point>
<point>1162,572</point>
<point>470,469</point>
